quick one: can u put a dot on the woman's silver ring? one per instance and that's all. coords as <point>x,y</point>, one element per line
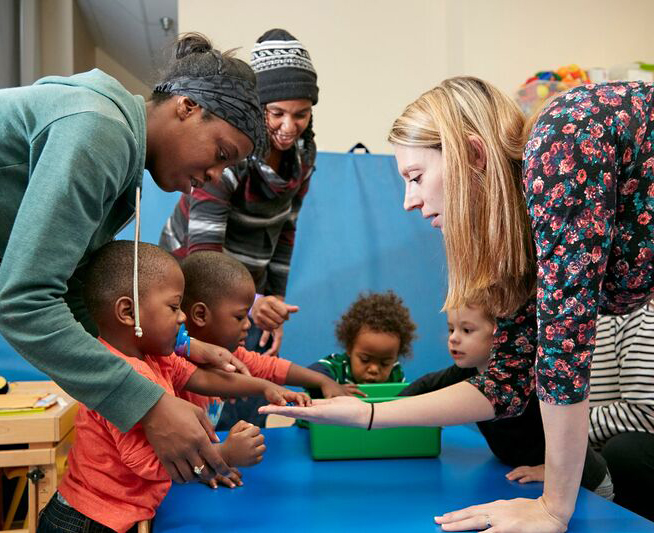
<point>488,522</point>
<point>197,470</point>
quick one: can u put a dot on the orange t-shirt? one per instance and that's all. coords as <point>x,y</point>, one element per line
<point>273,369</point>
<point>115,478</point>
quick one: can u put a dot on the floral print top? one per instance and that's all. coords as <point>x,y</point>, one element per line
<point>588,175</point>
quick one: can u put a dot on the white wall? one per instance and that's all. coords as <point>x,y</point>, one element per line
<point>9,44</point>
<point>66,47</point>
<point>373,57</point>
<point>505,41</point>
<point>108,64</point>
<point>57,30</point>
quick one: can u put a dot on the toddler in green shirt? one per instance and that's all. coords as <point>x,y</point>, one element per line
<point>376,331</point>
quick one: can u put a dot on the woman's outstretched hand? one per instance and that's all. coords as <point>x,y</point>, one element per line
<point>341,410</point>
<point>520,515</point>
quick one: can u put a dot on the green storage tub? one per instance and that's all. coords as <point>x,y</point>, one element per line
<point>340,442</point>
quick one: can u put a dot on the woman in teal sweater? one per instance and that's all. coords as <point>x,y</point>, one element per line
<point>72,155</point>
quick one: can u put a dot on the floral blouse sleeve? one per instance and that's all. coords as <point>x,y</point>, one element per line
<point>576,171</point>
<point>588,175</point>
<point>509,380</point>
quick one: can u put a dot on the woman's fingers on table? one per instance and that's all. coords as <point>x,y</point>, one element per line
<point>470,518</point>
<point>520,515</point>
<point>474,523</point>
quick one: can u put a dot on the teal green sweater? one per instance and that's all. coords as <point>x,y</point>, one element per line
<point>72,152</point>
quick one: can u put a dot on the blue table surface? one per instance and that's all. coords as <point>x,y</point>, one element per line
<point>288,491</point>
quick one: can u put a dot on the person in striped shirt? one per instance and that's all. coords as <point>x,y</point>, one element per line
<point>622,407</point>
<point>251,213</point>
<point>375,331</point>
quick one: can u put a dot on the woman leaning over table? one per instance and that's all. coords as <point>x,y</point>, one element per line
<point>545,243</point>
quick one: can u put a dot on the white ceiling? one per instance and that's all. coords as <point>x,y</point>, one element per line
<point>130,31</point>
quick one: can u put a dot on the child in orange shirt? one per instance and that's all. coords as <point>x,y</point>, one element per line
<point>114,479</point>
<point>219,292</point>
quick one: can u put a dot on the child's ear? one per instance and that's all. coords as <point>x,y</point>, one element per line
<point>200,314</point>
<point>124,311</point>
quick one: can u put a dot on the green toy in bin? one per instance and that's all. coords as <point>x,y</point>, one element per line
<point>340,442</point>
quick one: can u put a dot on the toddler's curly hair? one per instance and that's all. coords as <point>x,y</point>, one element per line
<point>381,312</point>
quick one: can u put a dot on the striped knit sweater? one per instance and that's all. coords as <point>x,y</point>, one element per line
<point>250,215</point>
<point>622,376</point>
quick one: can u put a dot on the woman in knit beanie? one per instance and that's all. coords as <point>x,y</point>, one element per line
<point>251,214</point>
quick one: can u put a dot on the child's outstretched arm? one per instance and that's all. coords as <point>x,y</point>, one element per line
<point>234,385</point>
<point>310,379</point>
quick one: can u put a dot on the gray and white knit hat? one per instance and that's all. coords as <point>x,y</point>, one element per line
<point>283,68</point>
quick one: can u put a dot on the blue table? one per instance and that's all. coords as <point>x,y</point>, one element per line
<point>289,491</point>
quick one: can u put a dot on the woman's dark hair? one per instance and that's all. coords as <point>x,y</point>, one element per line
<point>195,57</point>
<point>380,312</point>
<point>307,136</point>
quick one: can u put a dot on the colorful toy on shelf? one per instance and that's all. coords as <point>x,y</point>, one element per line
<point>572,75</point>
<point>546,83</point>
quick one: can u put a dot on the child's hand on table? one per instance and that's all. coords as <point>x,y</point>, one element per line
<point>243,446</point>
<point>526,474</point>
<point>232,480</point>
<point>331,389</point>
<point>280,396</point>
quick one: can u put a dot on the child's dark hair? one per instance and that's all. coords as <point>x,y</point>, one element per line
<point>110,273</point>
<point>380,312</point>
<point>210,276</point>
<point>195,57</point>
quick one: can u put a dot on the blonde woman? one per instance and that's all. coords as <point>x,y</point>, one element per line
<point>544,243</point>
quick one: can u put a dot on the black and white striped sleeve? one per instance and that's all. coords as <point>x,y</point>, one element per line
<point>622,376</point>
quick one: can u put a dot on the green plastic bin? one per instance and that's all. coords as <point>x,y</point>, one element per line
<point>340,442</point>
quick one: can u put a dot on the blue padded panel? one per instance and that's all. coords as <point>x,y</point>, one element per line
<point>353,235</point>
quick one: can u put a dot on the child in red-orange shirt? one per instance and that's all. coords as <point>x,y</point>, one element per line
<point>114,479</point>
<point>219,292</point>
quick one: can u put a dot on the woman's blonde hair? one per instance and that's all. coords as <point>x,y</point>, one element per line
<point>488,241</point>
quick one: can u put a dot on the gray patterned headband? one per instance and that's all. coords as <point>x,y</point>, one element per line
<point>232,99</point>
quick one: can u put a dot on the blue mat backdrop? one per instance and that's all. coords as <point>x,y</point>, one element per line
<point>353,235</point>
